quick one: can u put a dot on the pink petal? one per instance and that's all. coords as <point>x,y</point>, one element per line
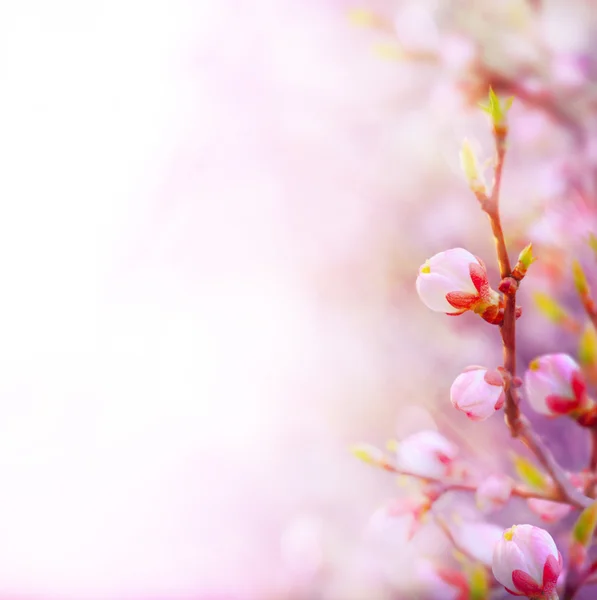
<point>462,300</point>
<point>525,583</point>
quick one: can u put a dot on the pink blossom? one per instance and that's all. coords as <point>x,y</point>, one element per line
<point>455,281</point>
<point>493,492</point>
<point>426,453</point>
<point>554,385</point>
<point>526,562</point>
<point>478,393</point>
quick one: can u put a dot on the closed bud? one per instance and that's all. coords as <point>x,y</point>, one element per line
<point>478,393</point>
<point>525,260</point>
<point>455,281</point>
<point>526,562</point>
<point>493,492</point>
<point>497,109</point>
<point>554,385</point>
<point>426,454</point>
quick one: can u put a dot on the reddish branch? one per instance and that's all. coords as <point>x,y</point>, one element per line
<point>517,423</point>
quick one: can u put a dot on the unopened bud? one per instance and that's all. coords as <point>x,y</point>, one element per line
<point>555,385</point>
<point>478,392</point>
<point>455,281</point>
<point>526,561</point>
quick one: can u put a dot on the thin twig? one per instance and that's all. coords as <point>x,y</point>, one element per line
<point>458,486</point>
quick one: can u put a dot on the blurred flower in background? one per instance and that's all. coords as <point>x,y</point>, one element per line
<point>213,214</point>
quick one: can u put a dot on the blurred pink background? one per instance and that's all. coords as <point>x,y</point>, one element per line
<point>212,218</point>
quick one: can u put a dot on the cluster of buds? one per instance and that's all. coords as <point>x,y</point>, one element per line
<point>524,559</point>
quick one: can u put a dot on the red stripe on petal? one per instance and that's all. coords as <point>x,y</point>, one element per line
<point>462,300</point>
<point>560,405</point>
<point>478,277</point>
<point>551,572</point>
<point>525,583</point>
<point>578,386</point>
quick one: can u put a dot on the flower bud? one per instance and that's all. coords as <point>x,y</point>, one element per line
<point>455,281</point>
<point>493,492</point>
<point>478,393</point>
<point>526,562</point>
<point>555,385</point>
<point>426,453</point>
<point>548,511</point>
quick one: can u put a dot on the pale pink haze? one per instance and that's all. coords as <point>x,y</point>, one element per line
<point>550,512</point>
<point>412,509</point>
<point>554,384</point>
<point>527,562</point>
<point>436,582</point>
<point>477,538</point>
<point>478,393</point>
<point>493,492</point>
<point>426,453</point>
<point>453,282</point>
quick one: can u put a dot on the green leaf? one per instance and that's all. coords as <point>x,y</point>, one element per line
<point>495,109</point>
<point>580,279</point>
<point>368,453</point>
<point>584,528</point>
<point>587,347</point>
<point>479,585</point>
<point>529,473</point>
<point>550,308</point>
<point>526,257</point>
<point>593,243</point>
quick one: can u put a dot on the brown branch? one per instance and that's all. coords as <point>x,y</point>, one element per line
<point>565,489</point>
<point>517,423</point>
<point>459,486</point>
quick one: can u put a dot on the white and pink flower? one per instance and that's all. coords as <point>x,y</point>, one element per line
<point>478,392</point>
<point>527,562</point>
<point>554,385</point>
<point>494,492</point>
<point>455,281</point>
<point>426,454</point>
